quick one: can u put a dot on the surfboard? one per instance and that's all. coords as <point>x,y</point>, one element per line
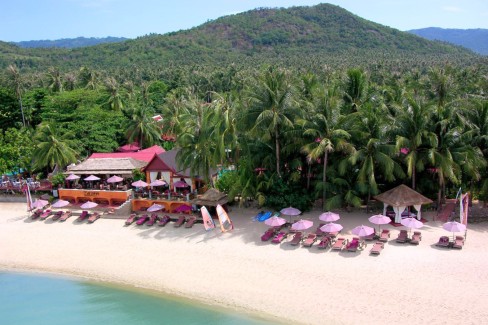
<point>225,222</point>
<point>208,222</point>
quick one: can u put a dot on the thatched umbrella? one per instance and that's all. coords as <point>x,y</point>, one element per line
<point>401,197</point>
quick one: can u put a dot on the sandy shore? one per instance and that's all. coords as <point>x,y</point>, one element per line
<point>406,284</point>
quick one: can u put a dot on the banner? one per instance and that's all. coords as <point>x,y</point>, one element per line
<point>463,211</point>
<point>26,190</point>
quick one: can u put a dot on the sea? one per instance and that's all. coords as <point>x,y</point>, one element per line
<point>45,299</point>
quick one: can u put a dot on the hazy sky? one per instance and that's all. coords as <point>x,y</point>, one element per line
<point>23,20</point>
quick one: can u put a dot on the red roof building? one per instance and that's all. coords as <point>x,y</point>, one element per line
<point>144,155</point>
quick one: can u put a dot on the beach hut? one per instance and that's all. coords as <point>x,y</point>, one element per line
<point>400,198</point>
<point>211,198</point>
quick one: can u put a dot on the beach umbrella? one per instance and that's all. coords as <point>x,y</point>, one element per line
<point>411,223</point>
<point>88,205</point>
<point>183,208</point>
<point>362,231</point>
<point>331,227</point>
<point>92,178</point>
<point>60,204</point>
<point>158,183</point>
<point>290,211</point>
<point>155,207</point>
<point>114,179</point>
<point>379,219</point>
<point>454,226</point>
<point>139,183</point>
<point>302,224</point>
<point>39,204</point>
<point>180,184</point>
<point>329,216</point>
<point>72,177</point>
<point>275,221</point>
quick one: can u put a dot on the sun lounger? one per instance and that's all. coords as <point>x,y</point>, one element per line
<point>331,234</point>
<point>36,214</point>
<point>190,222</point>
<point>152,219</point>
<point>385,234</point>
<point>297,238</point>
<point>324,243</point>
<point>131,219</point>
<point>278,238</point>
<point>65,216</point>
<point>353,245</point>
<point>164,221</point>
<point>57,215</point>
<point>416,238</point>
<point>180,221</point>
<point>94,217</point>
<point>45,215</point>
<point>339,244</point>
<point>402,237</point>
<point>373,236</point>
<point>84,215</point>
<point>377,248</point>
<point>142,220</point>
<point>458,242</point>
<point>308,242</point>
<point>268,234</point>
<point>319,232</point>
<point>443,242</point>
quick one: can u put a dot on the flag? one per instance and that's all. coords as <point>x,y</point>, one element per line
<point>26,190</point>
<point>464,205</point>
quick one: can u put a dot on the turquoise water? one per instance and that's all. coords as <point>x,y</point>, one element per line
<point>34,299</point>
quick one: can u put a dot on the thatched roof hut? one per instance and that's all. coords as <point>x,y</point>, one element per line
<point>211,198</point>
<point>101,166</point>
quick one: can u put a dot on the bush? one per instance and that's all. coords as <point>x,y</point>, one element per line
<point>282,195</point>
<point>58,179</point>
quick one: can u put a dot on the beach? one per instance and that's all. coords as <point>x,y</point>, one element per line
<point>405,284</point>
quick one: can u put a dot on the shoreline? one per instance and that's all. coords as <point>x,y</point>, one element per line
<point>238,272</point>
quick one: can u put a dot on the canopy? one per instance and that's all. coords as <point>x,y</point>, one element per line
<point>114,179</point>
<point>400,198</point>
<point>92,178</point>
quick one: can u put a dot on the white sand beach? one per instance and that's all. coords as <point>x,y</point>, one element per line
<point>405,284</point>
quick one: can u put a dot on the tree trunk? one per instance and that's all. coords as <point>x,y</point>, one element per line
<point>22,110</point>
<point>277,147</point>
<point>324,179</point>
<point>309,169</point>
<point>414,175</point>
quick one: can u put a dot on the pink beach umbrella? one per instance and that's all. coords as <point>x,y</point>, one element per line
<point>290,211</point>
<point>158,183</point>
<point>39,204</point>
<point>92,178</point>
<point>379,219</point>
<point>412,223</point>
<point>114,179</point>
<point>329,216</point>
<point>180,184</point>
<point>60,204</point>
<point>72,177</point>
<point>88,205</point>
<point>139,183</point>
<point>362,231</point>
<point>155,207</point>
<point>275,221</point>
<point>331,227</point>
<point>454,226</point>
<point>302,224</point>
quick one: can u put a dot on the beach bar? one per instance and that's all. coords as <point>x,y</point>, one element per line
<point>98,196</point>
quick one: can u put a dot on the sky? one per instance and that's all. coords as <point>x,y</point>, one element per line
<point>24,20</point>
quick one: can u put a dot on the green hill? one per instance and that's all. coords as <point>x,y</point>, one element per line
<point>473,39</point>
<point>322,34</point>
<point>70,42</point>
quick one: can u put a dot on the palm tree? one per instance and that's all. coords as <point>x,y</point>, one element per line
<point>53,148</point>
<point>17,82</point>
<point>142,127</point>
<point>270,110</point>
<point>55,80</point>
<point>115,100</point>
<point>355,90</point>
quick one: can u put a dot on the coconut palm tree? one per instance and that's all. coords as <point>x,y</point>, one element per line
<point>17,83</point>
<point>55,80</point>
<point>115,99</point>
<point>53,148</point>
<point>142,127</point>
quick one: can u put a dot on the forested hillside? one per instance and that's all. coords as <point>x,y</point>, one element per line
<point>70,42</point>
<point>473,39</point>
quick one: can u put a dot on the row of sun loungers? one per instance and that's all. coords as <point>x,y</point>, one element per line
<point>445,242</point>
<point>160,221</point>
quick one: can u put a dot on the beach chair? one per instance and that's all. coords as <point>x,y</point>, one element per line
<point>443,242</point>
<point>164,221</point>
<point>353,245</point>
<point>190,222</point>
<point>377,248</point>
<point>180,221</point>
<point>36,214</point>
<point>308,242</point>
<point>458,242</point>
<point>339,244</point>
<point>131,219</point>
<point>319,232</point>
<point>324,242</point>
<point>385,234</point>
<point>402,237</point>
<point>45,215</point>
<point>416,238</point>
<point>65,215</point>
<point>94,217</point>
<point>331,234</point>
<point>373,236</point>
<point>268,234</point>
<point>142,220</point>
<point>297,238</point>
<point>152,219</point>
<point>279,237</point>
<point>57,215</point>
<point>84,215</point>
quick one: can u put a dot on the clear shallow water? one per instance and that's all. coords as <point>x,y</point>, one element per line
<point>34,299</point>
